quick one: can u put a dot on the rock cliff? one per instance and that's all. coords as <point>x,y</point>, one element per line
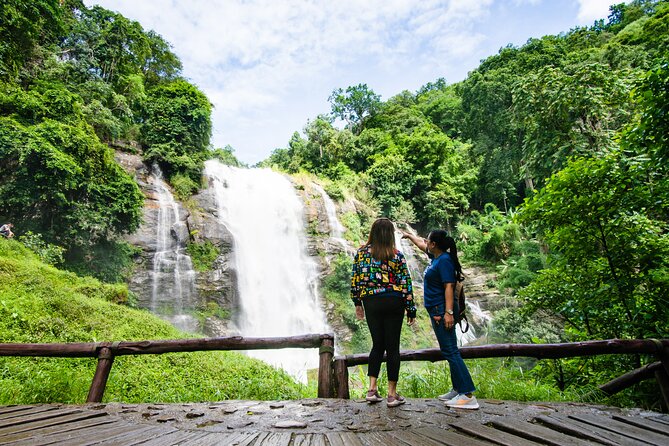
<point>199,223</point>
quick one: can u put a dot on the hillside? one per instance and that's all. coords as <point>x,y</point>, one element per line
<point>39,303</point>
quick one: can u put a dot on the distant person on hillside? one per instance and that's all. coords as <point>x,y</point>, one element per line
<point>381,290</point>
<point>6,230</point>
<point>440,303</point>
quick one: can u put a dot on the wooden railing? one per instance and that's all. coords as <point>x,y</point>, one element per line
<point>657,347</point>
<point>333,371</point>
<point>105,352</point>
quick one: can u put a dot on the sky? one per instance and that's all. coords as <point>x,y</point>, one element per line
<point>269,66</point>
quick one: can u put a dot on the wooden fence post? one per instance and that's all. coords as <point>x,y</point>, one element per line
<point>325,352</point>
<point>662,374</point>
<point>341,378</point>
<point>105,361</point>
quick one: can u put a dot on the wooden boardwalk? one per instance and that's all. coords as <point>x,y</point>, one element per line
<point>329,422</point>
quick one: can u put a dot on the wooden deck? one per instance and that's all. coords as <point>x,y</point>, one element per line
<point>329,422</point>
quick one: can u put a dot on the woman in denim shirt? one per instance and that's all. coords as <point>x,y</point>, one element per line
<point>440,303</point>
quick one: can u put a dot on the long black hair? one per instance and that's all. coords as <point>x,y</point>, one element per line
<point>446,243</point>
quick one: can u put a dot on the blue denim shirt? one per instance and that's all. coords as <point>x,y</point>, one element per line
<point>440,271</point>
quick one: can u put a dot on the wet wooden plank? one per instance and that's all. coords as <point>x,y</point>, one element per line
<point>488,433</point>
<point>214,439</point>
<point>73,437</point>
<point>343,439</point>
<point>383,438</point>
<point>10,409</point>
<point>31,418</point>
<point>49,426</point>
<point>575,428</point>
<point>414,438</point>
<point>175,438</point>
<point>645,423</point>
<point>309,440</point>
<point>246,439</point>
<point>134,437</point>
<point>660,419</point>
<point>450,438</point>
<point>537,432</point>
<point>624,429</point>
<point>273,439</point>
<point>224,438</point>
<point>26,412</point>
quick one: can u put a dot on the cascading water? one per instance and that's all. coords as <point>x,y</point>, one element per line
<point>277,280</point>
<point>173,277</point>
<point>409,251</point>
<point>477,316</point>
<point>473,307</point>
<point>336,228</point>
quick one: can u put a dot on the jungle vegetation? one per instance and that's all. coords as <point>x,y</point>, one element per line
<point>548,162</point>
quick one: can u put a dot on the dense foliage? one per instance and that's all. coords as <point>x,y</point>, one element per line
<point>73,81</point>
<point>547,162</point>
<point>41,304</point>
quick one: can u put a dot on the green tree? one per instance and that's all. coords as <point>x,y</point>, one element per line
<point>391,179</point>
<point>227,156</point>
<point>443,106</point>
<point>354,105</point>
<point>25,27</point>
<point>61,182</point>
<point>177,129</point>
<point>609,274</point>
<point>569,111</point>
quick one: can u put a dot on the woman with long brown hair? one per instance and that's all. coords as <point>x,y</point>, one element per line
<point>381,290</point>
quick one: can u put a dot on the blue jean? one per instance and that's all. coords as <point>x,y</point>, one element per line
<point>448,344</point>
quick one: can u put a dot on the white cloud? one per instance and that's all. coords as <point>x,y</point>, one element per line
<point>591,10</point>
<point>275,62</point>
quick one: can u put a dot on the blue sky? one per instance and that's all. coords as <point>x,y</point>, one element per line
<point>268,66</point>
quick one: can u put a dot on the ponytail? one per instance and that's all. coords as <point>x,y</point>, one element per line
<point>446,243</point>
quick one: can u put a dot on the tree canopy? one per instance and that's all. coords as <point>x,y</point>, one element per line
<point>76,80</point>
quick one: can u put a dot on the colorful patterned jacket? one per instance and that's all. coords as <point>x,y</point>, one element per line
<point>370,277</point>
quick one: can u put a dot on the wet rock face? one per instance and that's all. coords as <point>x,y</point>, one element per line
<point>198,225</point>
<point>145,237</point>
<point>219,284</point>
<point>324,250</point>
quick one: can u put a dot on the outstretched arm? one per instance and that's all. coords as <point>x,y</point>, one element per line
<point>418,241</point>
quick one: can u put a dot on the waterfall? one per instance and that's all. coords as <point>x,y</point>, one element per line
<point>478,317</point>
<point>173,277</point>
<point>336,228</point>
<point>416,267</point>
<point>277,281</point>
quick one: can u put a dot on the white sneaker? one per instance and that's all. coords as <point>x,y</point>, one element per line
<point>463,402</point>
<point>448,396</point>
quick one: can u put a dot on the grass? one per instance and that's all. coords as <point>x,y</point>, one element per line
<point>494,379</point>
<point>203,255</point>
<point>41,304</point>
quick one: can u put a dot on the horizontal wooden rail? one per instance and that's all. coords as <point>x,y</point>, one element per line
<point>657,347</point>
<point>106,351</point>
<point>539,351</point>
<point>80,350</point>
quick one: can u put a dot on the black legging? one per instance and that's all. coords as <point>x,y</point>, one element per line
<point>385,315</point>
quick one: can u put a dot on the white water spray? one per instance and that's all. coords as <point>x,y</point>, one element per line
<point>336,228</point>
<point>477,316</point>
<point>173,277</point>
<point>277,280</point>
